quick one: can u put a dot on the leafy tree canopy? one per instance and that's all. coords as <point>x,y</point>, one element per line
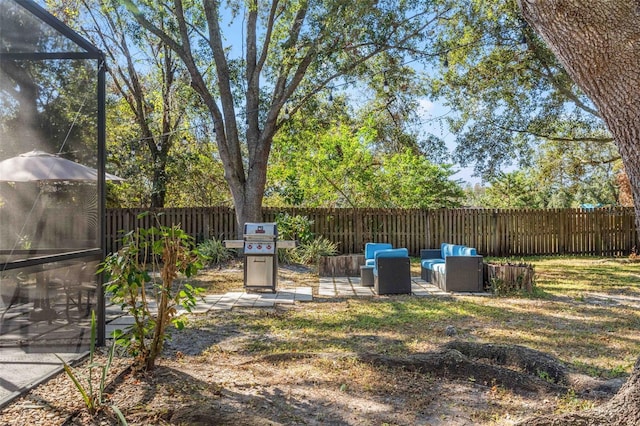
<point>340,167</point>
<point>508,91</point>
<point>290,51</point>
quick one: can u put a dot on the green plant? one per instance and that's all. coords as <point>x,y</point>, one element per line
<point>93,399</point>
<point>499,287</point>
<point>24,241</point>
<point>129,283</point>
<point>571,402</point>
<point>294,228</point>
<point>287,256</point>
<point>214,252</point>
<point>310,252</point>
<point>544,375</point>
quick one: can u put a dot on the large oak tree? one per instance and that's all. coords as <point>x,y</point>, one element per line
<point>512,103</point>
<point>598,43</point>
<point>249,61</point>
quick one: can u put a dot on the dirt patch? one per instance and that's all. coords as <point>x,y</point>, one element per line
<point>208,375</point>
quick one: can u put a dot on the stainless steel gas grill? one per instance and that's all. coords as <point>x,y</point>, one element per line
<point>259,245</point>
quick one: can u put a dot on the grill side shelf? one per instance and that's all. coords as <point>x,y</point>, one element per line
<point>233,243</point>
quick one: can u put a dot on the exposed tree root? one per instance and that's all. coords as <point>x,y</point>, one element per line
<point>513,367</point>
<point>519,369</point>
<point>622,410</point>
<point>519,357</point>
<point>453,364</point>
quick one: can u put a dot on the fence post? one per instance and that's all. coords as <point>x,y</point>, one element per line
<point>598,231</point>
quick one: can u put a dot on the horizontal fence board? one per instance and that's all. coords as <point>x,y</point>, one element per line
<point>493,232</point>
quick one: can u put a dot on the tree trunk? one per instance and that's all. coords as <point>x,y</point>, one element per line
<point>598,43</point>
<point>247,193</point>
<point>248,208</point>
<point>159,183</point>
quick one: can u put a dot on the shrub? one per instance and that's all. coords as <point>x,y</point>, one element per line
<point>130,284</point>
<point>309,249</point>
<point>215,253</point>
<point>294,228</point>
<point>310,253</point>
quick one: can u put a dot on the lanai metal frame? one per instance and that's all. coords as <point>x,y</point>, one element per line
<point>83,50</point>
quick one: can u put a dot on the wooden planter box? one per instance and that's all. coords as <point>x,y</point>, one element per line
<point>506,278</point>
<point>347,265</point>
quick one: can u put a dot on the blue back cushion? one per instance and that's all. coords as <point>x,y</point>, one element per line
<point>469,251</point>
<point>371,248</point>
<point>447,249</point>
<point>398,252</point>
<point>456,250</point>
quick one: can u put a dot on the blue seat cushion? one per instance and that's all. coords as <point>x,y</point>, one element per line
<point>439,267</point>
<point>428,263</point>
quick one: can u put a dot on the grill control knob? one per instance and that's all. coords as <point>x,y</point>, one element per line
<point>259,247</point>
<point>249,246</point>
<point>269,247</point>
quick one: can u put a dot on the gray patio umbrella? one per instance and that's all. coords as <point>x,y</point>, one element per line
<point>42,166</point>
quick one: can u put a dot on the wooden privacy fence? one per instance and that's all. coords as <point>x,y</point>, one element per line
<point>493,232</point>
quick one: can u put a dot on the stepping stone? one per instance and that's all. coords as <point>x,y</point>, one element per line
<point>245,302</point>
<point>123,320</point>
<point>304,294</point>
<point>264,303</point>
<point>222,306</point>
<point>201,308</point>
<point>285,297</point>
<point>268,296</point>
<point>364,291</point>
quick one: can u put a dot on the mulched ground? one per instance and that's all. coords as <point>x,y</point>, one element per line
<point>209,374</point>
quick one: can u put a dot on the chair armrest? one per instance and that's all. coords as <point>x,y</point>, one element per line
<point>430,254</point>
<point>461,262</point>
<point>463,273</point>
<point>392,275</point>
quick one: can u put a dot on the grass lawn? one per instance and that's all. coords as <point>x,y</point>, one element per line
<point>301,364</point>
<point>584,312</point>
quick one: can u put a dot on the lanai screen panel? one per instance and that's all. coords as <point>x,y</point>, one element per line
<point>51,178</point>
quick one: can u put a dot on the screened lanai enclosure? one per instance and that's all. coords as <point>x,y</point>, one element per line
<point>51,182</point>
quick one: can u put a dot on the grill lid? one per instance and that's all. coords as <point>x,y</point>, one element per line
<point>266,230</point>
